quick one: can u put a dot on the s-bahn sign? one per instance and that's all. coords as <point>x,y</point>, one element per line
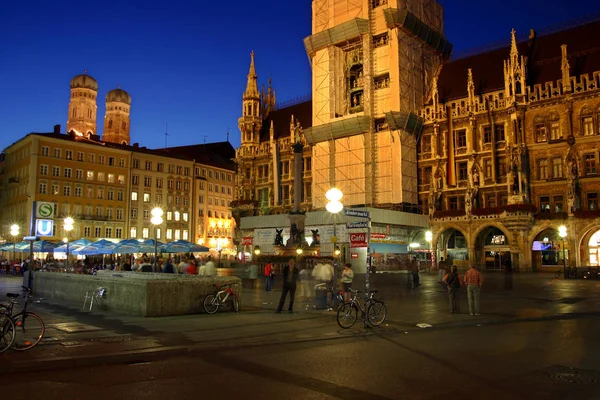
<point>44,209</point>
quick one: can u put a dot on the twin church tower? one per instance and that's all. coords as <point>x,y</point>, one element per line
<point>83,109</point>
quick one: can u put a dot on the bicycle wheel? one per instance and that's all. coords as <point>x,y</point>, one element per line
<point>235,304</point>
<point>29,330</point>
<point>7,333</point>
<point>347,315</point>
<point>211,304</point>
<point>376,312</point>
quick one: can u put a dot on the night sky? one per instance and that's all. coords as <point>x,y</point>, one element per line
<point>185,63</point>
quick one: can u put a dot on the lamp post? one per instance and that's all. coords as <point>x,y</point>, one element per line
<point>14,232</point>
<point>156,220</point>
<point>334,206</point>
<point>428,239</point>
<point>68,226</point>
<point>256,251</point>
<point>562,232</point>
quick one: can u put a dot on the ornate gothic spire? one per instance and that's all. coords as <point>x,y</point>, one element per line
<point>564,66</point>
<point>252,85</point>
<point>471,89</point>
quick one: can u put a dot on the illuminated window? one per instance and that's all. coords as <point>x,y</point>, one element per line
<point>146,197</point>
<point>134,196</point>
<point>177,216</point>
<point>90,175</point>
<point>185,216</point>
<point>144,233</point>
<point>177,234</point>
<point>111,178</point>
<point>185,234</point>
<point>100,176</point>
<point>133,232</point>
<point>169,215</point>
<point>169,234</point>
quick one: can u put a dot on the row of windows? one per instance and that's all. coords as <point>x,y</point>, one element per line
<point>82,94</point>
<point>216,202</point>
<point>123,124</point>
<point>146,197</point>
<point>169,215</point>
<point>78,191</point>
<point>91,157</point>
<point>79,174</point>
<point>108,232</point>
<point>171,184</point>
<point>217,214</point>
<point>171,234</point>
<point>556,203</point>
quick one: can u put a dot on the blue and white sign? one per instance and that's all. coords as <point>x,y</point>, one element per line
<point>356,213</point>
<point>44,227</point>
<point>357,225</point>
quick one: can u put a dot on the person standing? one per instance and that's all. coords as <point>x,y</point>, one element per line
<point>268,277</point>
<point>290,277</point>
<point>442,266</point>
<point>454,283</point>
<point>347,276</point>
<point>414,266</point>
<point>473,280</point>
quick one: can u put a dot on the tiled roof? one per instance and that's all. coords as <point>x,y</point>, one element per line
<point>281,118</point>
<point>543,63</point>
<point>219,154</point>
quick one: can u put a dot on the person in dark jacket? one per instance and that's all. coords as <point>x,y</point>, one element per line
<point>168,268</point>
<point>290,277</point>
<point>454,283</point>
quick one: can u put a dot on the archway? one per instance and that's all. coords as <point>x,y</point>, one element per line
<point>452,245</point>
<point>546,250</point>
<point>593,250</point>
<point>492,250</point>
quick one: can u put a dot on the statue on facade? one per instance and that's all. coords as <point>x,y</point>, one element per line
<point>468,200</point>
<point>295,237</point>
<point>316,238</point>
<point>278,237</point>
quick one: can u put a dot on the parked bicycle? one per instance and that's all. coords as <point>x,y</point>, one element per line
<point>28,327</point>
<point>374,311</point>
<point>223,295</point>
<point>7,332</point>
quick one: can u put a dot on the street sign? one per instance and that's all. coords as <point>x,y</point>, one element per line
<point>358,240</point>
<point>356,213</point>
<point>357,225</point>
<point>44,209</point>
<point>44,227</point>
<point>30,238</point>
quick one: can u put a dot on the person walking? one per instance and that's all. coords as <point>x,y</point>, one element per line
<point>268,277</point>
<point>454,283</point>
<point>473,280</point>
<point>347,276</point>
<point>290,277</point>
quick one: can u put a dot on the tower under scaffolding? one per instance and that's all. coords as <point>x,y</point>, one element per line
<point>373,62</point>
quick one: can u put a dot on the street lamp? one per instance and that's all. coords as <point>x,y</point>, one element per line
<point>562,232</point>
<point>68,226</point>
<point>256,251</point>
<point>156,220</point>
<point>428,239</point>
<point>14,232</point>
<point>334,206</point>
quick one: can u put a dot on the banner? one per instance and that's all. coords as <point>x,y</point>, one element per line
<point>247,241</point>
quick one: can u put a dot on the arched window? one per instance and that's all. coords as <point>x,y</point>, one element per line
<point>124,125</point>
<point>89,112</point>
<point>587,122</point>
<point>110,124</point>
<point>74,112</point>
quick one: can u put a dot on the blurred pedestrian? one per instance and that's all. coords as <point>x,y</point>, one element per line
<point>210,267</point>
<point>454,283</point>
<point>168,268</point>
<point>347,277</point>
<point>473,280</point>
<point>268,272</point>
<point>290,276</point>
<point>414,267</point>
<point>191,268</point>
<point>442,266</point>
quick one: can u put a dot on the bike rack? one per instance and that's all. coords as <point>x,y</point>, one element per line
<point>97,294</point>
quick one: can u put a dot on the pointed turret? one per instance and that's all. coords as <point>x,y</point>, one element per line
<point>471,90</point>
<point>252,85</point>
<point>435,96</point>
<point>514,72</point>
<point>564,66</point>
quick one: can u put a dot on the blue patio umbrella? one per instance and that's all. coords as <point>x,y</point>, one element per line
<point>101,246</point>
<point>147,246</point>
<point>8,246</point>
<point>22,246</point>
<point>74,245</point>
<point>128,246</point>
<point>43,246</point>
<point>183,246</point>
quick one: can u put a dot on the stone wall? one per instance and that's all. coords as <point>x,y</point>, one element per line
<point>145,294</point>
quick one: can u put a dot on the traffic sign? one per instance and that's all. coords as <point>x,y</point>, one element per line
<point>44,227</point>
<point>357,225</point>
<point>356,213</point>
<point>44,209</point>
<point>30,238</point>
